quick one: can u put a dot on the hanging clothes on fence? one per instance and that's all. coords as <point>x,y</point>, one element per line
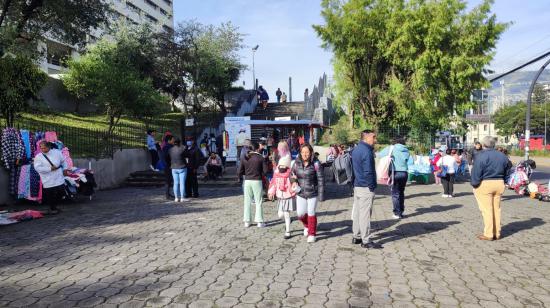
<point>51,137</point>
<point>12,152</point>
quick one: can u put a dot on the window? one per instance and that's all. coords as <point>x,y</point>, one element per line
<point>169,2</point>
<point>151,18</point>
<point>485,127</point>
<point>163,12</point>
<point>133,22</point>
<point>133,8</point>
<point>151,3</point>
<point>167,29</point>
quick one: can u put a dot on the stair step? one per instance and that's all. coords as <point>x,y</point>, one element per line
<point>144,184</point>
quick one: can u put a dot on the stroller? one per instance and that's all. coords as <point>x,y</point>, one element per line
<point>520,177</point>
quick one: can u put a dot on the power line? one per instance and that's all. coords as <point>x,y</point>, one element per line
<point>524,49</point>
<point>546,54</point>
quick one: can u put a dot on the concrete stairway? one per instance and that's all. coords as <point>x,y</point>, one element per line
<point>149,178</point>
<point>295,110</point>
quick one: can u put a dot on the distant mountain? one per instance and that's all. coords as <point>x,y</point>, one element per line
<point>516,86</point>
<point>519,82</point>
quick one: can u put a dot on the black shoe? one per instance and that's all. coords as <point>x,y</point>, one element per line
<point>371,245</point>
<point>356,241</point>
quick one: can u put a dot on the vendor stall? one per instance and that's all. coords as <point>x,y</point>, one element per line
<point>20,147</point>
<point>420,170</point>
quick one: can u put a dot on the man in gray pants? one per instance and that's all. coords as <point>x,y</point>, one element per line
<point>364,170</point>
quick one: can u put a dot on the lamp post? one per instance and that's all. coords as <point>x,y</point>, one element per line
<point>253,68</point>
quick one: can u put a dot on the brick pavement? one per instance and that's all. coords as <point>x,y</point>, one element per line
<point>131,248</point>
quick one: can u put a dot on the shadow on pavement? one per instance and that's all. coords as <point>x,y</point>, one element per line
<point>419,195</point>
<point>434,209</point>
<point>411,230</point>
<point>327,230</point>
<point>519,226</point>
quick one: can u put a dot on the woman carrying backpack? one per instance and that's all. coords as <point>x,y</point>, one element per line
<point>399,168</point>
<point>309,184</point>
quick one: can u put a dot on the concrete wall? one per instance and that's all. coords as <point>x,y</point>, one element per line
<point>109,173</point>
<point>56,97</point>
<point>4,186</point>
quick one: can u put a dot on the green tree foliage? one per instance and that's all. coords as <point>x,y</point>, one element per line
<point>413,62</point>
<point>201,59</point>
<point>510,120</point>
<point>20,81</point>
<point>218,63</point>
<point>23,22</point>
<point>115,75</point>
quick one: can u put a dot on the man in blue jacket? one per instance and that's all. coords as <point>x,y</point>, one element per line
<point>365,183</point>
<point>488,174</point>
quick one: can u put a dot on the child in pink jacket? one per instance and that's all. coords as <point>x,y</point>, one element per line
<point>282,188</point>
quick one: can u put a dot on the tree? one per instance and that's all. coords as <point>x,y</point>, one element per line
<point>510,120</point>
<point>23,22</point>
<point>412,62</point>
<point>217,61</point>
<point>20,81</point>
<point>539,95</point>
<point>113,75</point>
<point>175,55</point>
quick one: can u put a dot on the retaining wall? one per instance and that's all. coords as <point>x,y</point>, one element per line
<point>109,173</point>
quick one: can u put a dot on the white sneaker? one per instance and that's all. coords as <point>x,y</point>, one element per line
<point>311,239</point>
<point>246,224</point>
<point>152,168</point>
<point>176,200</point>
<point>184,200</point>
<point>444,196</point>
<point>396,216</point>
<point>261,225</point>
<point>450,196</point>
<point>305,232</point>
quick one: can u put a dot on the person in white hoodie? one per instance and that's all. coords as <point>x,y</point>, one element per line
<point>52,168</point>
<point>448,168</point>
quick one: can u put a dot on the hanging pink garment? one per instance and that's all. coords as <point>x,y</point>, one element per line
<point>67,156</point>
<point>51,136</point>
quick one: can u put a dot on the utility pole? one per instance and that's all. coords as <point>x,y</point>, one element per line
<point>501,93</point>
<point>253,67</point>
<point>289,89</point>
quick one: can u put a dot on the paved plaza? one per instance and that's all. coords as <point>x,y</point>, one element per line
<point>132,248</point>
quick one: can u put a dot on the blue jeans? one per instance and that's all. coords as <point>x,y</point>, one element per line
<point>398,192</point>
<point>179,176</point>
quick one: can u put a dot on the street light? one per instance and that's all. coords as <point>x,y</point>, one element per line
<point>253,68</point>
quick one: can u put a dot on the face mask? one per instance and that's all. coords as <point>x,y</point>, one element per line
<point>189,143</point>
<point>282,169</point>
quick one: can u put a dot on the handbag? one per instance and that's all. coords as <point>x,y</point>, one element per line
<point>384,172</point>
<point>443,172</point>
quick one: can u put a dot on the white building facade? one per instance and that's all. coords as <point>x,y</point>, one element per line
<point>158,13</point>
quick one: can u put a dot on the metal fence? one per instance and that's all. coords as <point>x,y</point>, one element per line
<point>86,142</point>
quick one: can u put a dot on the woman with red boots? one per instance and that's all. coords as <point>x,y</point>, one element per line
<point>309,185</point>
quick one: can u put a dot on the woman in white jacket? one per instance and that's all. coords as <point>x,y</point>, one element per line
<point>51,166</point>
<point>448,168</point>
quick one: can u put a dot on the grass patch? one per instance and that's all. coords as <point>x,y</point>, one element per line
<point>86,136</point>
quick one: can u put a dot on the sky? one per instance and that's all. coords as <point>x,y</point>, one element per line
<point>289,47</point>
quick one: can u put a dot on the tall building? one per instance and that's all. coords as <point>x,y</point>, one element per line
<point>158,13</point>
